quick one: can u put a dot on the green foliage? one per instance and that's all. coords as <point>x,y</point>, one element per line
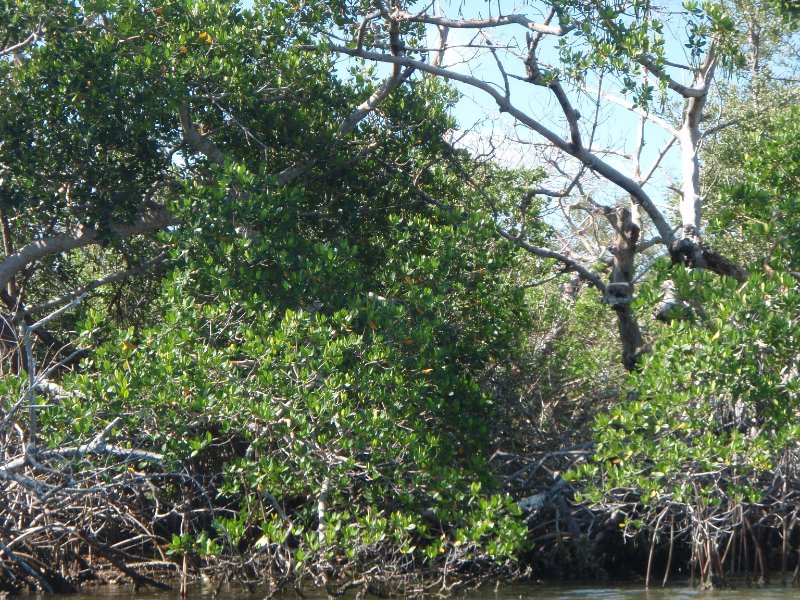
<point>315,357</point>
<point>90,120</point>
<point>324,383</point>
<point>613,38</point>
<point>322,340</point>
<point>200,545</point>
<point>761,199</point>
<point>573,363</point>
<point>714,406</point>
<point>788,9</point>
<point>319,353</point>
<point>606,36</point>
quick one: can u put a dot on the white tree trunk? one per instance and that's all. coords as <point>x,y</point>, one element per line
<point>691,202</point>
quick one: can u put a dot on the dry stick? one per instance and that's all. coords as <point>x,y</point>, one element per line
<point>83,289</point>
<point>31,394</point>
<point>322,501</point>
<point>787,525</point>
<point>9,575</point>
<point>759,556</point>
<point>745,546</point>
<point>115,556</point>
<point>112,556</point>
<point>8,246</point>
<point>671,547</point>
<point>185,565</point>
<point>794,523</point>
<point>699,550</point>
<point>650,559</point>
<point>752,538</point>
<point>79,237</point>
<point>719,564</point>
<point>728,547</point>
<point>31,367</point>
<point>784,548</point>
<point>184,576</point>
<point>693,559</point>
<point>796,575</point>
<point>702,550</point>
<point>652,548</point>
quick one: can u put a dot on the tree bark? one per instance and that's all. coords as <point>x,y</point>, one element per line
<point>619,291</point>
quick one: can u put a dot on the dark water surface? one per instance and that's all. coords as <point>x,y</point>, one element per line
<point>517,592</point>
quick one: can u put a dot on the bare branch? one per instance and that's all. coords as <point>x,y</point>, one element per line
<point>45,320</point>
<point>578,229</point>
<point>683,90</point>
<point>675,65</point>
<point>569,264</point>
<point>247,133</point>
<point>569,112</point>
<point>438,54</point>
<point>637,155</point>
<point>648,244</point>
<point>348,126</point>
<point>363,27</point>
<point>613,152</point>
<point>546,192</point>
<point>662,153</point>
<point>486,23</point>
<point>365,108</point>
<point>635,109</point>
<point>80,237</point>
<point>30,40</point>
<point>690,138</point>
<point>93,448</point>
<point>84,289</point>
<point>719,127</point>
<point>587,158</point>
<point>500,67</point>
<point>197,141</point>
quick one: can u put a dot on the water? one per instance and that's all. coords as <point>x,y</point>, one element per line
<point>518,592</point>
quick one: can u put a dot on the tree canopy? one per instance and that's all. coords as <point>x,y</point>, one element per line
<point>275,302</point>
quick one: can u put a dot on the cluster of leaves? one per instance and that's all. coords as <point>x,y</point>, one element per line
<point>715,405</point>
<point>606,37</point>
<point>789,9</point>
<point>759,197</point>
<point>102,138</point>
<point>624,38</point>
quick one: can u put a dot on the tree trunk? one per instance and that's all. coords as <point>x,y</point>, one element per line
<point>8,246</point>
<point>619,291</point>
